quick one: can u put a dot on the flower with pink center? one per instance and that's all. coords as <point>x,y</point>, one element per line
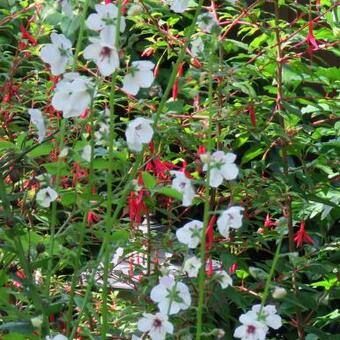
<point>157,325</point>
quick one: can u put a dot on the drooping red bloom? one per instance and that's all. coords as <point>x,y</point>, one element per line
<point>84,113</point>
<point>268,223</point>
<point>137,207</point>
<point>210,233</point>
<point>78,173</point>
<point>149,51</point>
<point>201,150</point>
<point>27,35</point>
<point>107,2</point>
<point>175,86</point>
<point>196,63</point>
<point>313,45</point>
<point>252,115</point>
<point>92,218</point>
<point>233,268</point>
<point>302,237</point>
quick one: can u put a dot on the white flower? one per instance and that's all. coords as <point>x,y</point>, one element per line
<point>222,166</point>
<point>38,120</point>
<point>206,22</point>
<point>192,266</point>
<point>230,218</point>
<point>86,154</point>
<point>138,132</point>
<point>58,54</point>
<point>224,279</point>
<point>190,234</point>
<point>46,196</point>
<point>250,329</point>
<point>268,315</point>
<point>279,293</point>
<point>102,133</point>
<point>66,8</point>
<point>156,325</point>
<point>171,296</point>
<point>178,6</point>
<point>103,52</point>
<point>135,9</point>
<point>37,321</point>
<point>117,255</point>
<point>141,76</point>
<point>183,184</point>
<point>56,337</point>
<point>135,337</point>
<point>106,17</point>
<point>72,95</point>
<point>197,47</point>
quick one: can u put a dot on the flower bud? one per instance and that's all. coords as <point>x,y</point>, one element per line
<point>135,9</point>
<point>37,321</point>
<point>279,293</point>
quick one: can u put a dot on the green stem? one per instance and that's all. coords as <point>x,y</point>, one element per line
<point>108,222</point>
<point>271,273</point>
<point>201,278</point>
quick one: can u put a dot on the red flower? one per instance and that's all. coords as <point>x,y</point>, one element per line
<point>252,115</point>
<point>26,35</point>
<point>210,233</point>
<point>302,237</point>
<point>136,206</point>
<point>92,218</point>
<point>268,223</point>
<point>148,52</point>
<point>233,268</point>
<point>210,270</point>
<point>175,86</point>
<point>201,150</point>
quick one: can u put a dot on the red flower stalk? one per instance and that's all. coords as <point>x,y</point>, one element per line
<point>92,218</point>
<point>302,237</point>
<point>252,115</point>
<point>210,233</point>
<point>26,35</point>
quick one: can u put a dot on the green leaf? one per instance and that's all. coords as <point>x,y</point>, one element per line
<point>169,192</point>
<point>148,180</point>
<point>251,154</point>
<point>41,150</point>
<point>6,145</point>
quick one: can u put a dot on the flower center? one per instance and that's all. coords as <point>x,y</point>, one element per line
<point>157,323</point>
<point>105,52</point>
<point>251,329</point>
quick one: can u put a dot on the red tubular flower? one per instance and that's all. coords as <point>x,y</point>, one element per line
<point>210,233</point>
<point>124,3</point>
<point>196,63</point>
<point>84,113</point>
<point>268,223</point>
<point>210,270</point>
<point>78,173</point>
<point>27,36</point>
<point>313,45</point>
<point>302,237</point>
<point>92,218</point>
<point>148,52</point>
<point>201,150</point>
<point>175,86</point>
<point>233,268</point>
<point>107,2</point>
<point>252,115</point>
<point>136,206</point>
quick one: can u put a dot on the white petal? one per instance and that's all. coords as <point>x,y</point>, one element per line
<point>94,22</point>
<point>229,171</point>
<point>130,86</point>
<point>215,178</point>
<point>144,78</point>
<point>145,324</point>
<point>92,51</point>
